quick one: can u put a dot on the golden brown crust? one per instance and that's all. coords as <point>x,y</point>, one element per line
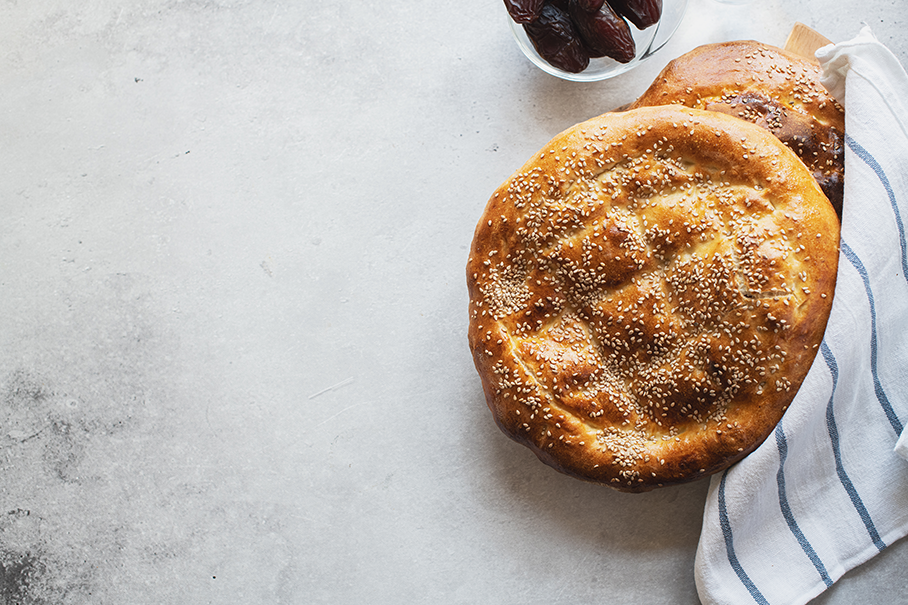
<point>647,294</point>
<point>770,87</point>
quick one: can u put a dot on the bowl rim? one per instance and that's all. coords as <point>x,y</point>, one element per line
<point>658,37</point>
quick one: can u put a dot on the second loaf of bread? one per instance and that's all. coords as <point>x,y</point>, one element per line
<point>767,86</point>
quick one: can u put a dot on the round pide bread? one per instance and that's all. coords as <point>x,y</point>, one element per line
<point>769,86</point>
<point>648,292</point>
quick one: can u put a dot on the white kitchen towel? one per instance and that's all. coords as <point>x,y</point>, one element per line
<point>828,489</point>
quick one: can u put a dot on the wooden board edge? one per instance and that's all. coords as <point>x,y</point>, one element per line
<point>804,41</point>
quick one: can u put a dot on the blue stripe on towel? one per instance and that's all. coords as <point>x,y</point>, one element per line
<point>730,547</point>
<point>881,174</point>
<point>837,452</point>
<point>877,386</point>
<point>789,516</point>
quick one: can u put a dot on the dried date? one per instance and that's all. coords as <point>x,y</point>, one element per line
<point>590,6</point>
<point>604,33</point>
<point>524,11</point>
<point>556,40</point>
<point>642,13</point>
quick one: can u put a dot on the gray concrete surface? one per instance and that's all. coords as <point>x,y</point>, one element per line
<point>233,361</point>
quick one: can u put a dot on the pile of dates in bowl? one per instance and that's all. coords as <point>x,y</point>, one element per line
<point>567,34</point>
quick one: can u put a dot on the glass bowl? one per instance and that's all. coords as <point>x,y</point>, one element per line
<point>648,42</point>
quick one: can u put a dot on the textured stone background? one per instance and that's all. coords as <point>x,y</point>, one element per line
<point>233,362</point>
